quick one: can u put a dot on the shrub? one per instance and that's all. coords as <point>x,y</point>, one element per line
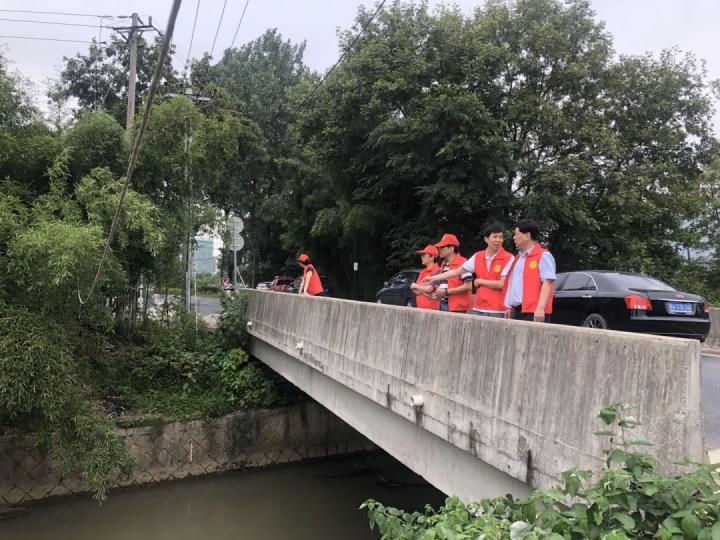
<point>40,393</point>
<point>628,499</point>
<point>231,329</point>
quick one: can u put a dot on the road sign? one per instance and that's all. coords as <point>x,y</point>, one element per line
<point>235,225</point>
<point>237,243</point>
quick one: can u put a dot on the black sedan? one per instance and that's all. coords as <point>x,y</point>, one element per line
<point>396,291</point>
<point>629,302</point>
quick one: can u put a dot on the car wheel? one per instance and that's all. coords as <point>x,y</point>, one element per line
<point>595,320</point>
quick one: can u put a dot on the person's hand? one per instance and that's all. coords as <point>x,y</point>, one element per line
<point>539,315</point>
<point>413,286</point>
<point>477,282</point>
<point>439,294</point>
<point>508,314</point>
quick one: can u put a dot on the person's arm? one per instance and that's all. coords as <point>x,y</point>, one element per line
<point>444,276</point>
<point>461,289</point>
<point>545,288</point>
<point>548,277</point>
<point>496,283</point>
<point>421,288</point>
<point>303,286</point>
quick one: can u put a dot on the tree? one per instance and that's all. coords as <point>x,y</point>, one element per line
<point>438,122</point>
<point>99,78</point>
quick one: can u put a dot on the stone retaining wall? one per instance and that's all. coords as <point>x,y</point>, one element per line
<point>170,451</point>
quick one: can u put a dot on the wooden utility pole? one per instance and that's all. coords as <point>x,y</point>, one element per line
<point>132,79</point>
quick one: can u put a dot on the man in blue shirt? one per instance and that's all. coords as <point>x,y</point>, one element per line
<point>531,280</point>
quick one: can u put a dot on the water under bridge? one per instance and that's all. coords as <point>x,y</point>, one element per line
<point>479,406</point>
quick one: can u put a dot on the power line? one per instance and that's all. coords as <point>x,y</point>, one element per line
<point>342,56</point>
<point>222,14</point>
<point>55,13</point>
<point>48,39</point>
<point>192,37</point>
<point>238,26</point>
<point>50,22</point>
<point>138,140</point>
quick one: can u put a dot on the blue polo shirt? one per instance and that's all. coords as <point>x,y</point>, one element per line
<point>513,298</point>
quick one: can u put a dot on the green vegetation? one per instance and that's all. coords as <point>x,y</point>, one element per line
<point>626,499</point>
<point>435,121</point>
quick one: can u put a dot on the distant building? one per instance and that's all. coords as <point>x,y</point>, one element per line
<point>203,260</point>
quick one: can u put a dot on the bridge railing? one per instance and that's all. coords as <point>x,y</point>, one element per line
<point>522,397</point>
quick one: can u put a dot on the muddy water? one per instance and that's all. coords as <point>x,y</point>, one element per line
<point>314,501</point>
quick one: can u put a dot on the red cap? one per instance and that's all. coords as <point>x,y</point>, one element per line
<point>448,240</point>
<point>303,258</point>
<point>429,250</point>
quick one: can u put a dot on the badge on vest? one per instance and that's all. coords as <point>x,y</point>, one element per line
<point>497,268</point>
<point>533,265</point>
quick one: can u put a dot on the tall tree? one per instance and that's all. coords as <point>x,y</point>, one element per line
<point>98,79</point>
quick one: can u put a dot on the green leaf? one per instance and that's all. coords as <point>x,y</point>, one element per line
<point>716,531</point>
<point>608,415</point>
<point>626,521</point>
<point>690,526</point>
<point>641,442</point>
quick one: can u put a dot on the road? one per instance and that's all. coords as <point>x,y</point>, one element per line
<point>207,305</point>
<point>711,400</point>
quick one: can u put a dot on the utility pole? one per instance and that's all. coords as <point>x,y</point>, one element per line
<point>133,32</point>
<point>132,79</point>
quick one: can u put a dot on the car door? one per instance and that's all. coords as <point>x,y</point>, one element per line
<point>572,299</point>
<point>393,293</point>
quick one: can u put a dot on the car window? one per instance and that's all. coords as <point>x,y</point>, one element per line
<point>401,277</point>
<point>577,282</point>
<point>631,281</point>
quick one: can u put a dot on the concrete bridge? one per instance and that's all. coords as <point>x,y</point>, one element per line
<point>478,406</point>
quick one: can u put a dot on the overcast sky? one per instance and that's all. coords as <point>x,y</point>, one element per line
<point>637,26</point>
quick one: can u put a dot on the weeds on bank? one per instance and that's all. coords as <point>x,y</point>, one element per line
<point>628,498</point>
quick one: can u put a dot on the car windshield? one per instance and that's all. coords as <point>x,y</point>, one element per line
<point>641,282</point>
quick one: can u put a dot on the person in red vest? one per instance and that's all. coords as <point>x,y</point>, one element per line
<point>531,282</point>
<point>491,267</point>
<point>422,288</point>
<point>455,294</point>
<point>310,283</point>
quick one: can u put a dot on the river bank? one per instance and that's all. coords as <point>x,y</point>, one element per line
<point>165,451</point>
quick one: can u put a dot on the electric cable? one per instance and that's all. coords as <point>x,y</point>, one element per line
<point>192,37</point>
<point>47,39</point>
<point>138,141</point>
<point>50,22</point>
<point>342,56</point>
<point>217,31</point>
<point>55,13</point>
<point>242,16</point>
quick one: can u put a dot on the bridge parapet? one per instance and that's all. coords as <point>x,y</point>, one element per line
<point>519,396</point>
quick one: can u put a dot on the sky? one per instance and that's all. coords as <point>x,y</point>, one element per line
<point>637,26</point>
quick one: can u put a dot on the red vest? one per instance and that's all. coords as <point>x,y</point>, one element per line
<point>458,302</point>
<point>423,301</point>
<point>486,298</point>
<point>315,286</point>
<point>532,281</point>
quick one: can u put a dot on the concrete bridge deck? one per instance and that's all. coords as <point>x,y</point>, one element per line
<point>480,406</point>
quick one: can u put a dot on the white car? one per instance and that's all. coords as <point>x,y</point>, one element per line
<point>263,286</point>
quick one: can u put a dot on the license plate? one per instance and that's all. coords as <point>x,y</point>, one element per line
<point>682,308</point>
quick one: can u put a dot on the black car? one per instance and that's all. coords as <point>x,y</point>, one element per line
<point>396,291</point>
<point>629,302</point>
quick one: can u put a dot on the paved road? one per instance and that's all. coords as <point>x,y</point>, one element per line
<point>711,400</point>
<point>208,306</point>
